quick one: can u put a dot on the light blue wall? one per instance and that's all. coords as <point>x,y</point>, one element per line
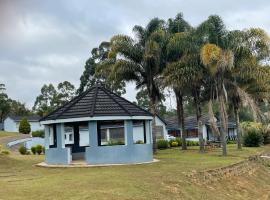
<point>118,154</point>
<point>135,153</point>
<point>55,156</point>
<point>60,154</point>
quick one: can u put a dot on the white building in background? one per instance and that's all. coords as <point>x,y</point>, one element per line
<point>12,123</point>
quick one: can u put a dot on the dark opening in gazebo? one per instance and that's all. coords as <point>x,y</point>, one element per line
<point>99,127</point>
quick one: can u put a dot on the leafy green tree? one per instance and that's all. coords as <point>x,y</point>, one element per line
<point>4,103</point>
<point>141,60</point>
<point>47,101</point>
<point>66,91</point>
<point>24,126</point>
<point>183,66</point>
<point>90,76</point>
<point>18,108</point>
<point>144,102</point>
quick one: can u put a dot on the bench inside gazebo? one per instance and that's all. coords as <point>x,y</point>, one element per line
<point>98,127</point>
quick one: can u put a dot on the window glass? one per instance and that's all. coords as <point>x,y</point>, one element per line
<point>51,139</point>
<point>69,134</point>
<point>138,131</point>
<point>84,136</point>
<point>111,133</point>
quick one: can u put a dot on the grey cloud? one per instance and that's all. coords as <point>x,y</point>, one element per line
<point>49,41</point>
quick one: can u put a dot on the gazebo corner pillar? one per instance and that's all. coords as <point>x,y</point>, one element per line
<point>128,132</point>
<point>47,137</point>
<point>60,155</point>
<point>92,127</point>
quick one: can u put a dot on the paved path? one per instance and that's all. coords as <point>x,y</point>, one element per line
<point>7,139</point>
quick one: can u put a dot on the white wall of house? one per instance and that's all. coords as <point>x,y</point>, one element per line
<point>12,126</point>
<point>161,123</point>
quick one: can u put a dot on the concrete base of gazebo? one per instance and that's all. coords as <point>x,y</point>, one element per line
<point>83,164</point>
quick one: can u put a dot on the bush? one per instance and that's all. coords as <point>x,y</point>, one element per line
<point>266,135</point>
<point>39,149</point>
<point>192,143</point>
<point>4,152</point>
<point>139,142</point>
<point>43,150</point>
<point>34,150</point>
<point>39,133</point>
<point>252,138</point>
<point>179,141</point>
<point>162,144</point>
<point>24,127</point>
<point>23,150</point>
<point>174,144</point>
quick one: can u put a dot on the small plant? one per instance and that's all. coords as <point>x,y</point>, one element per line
<point>39,149</point>
<point>266,135</point>
<point>34,150</point>
<point>23,150</point>
<point>139,142</point>
<point>39,133</point>
<point>179,141</point>
<point>192,143</point>
<point>162,144</point>
<point>4,152</point>
<point>252,138</point>
<point>24,127</point>
<point>174,144</point>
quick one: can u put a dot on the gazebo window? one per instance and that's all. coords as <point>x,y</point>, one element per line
<point>51,136</point>
<point>139,135</point>
<point>84,136</point>
<point>111,133</point>
<point>69,134</point>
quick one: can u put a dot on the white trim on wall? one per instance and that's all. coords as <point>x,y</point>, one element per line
<point>96,119</point>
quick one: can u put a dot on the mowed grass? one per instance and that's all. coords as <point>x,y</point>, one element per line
<point>5,134</point>
<point>167,179</point>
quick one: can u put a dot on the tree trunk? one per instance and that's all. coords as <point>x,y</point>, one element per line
<point>222,125</point>
<point>154,133</point>
<point>199,122</point>
<point>181,119</point>
<point>236,116</point>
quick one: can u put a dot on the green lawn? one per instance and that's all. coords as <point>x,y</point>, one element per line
<point>20,179</point>
<point>5,134</point>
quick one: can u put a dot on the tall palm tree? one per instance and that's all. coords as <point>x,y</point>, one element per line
<point>249,81</point>
<point>141,60</point>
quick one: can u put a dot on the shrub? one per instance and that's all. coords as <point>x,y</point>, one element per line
<point>23,150</point>
<point>162,144</point>
<point>39,133</point>
<point>24,127</point>
<point>192,143</point>
<point>5,152</point>
<point>43,150</point>
<point>34,150</point>
<point>266,135</point>
<point>252,138</point>
<point>174,144</point>
<point>179,141</point>
<point>139,142</point>
<point>39,149</point>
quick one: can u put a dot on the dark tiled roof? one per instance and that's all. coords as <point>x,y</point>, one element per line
<point>95,102</point>
<point>31,118</point>
<point>191,122</point>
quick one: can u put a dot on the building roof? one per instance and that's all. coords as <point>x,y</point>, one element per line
<point>96,102</point>
<point>191,122</point>
<point>31,118</point>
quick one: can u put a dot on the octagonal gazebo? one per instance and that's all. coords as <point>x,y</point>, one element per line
<point>99,127</point>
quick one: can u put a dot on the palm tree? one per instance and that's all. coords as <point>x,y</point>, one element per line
<point>249,81</point>
<point>141,60</point>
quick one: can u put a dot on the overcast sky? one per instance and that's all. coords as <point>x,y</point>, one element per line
<point>49,41</point>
